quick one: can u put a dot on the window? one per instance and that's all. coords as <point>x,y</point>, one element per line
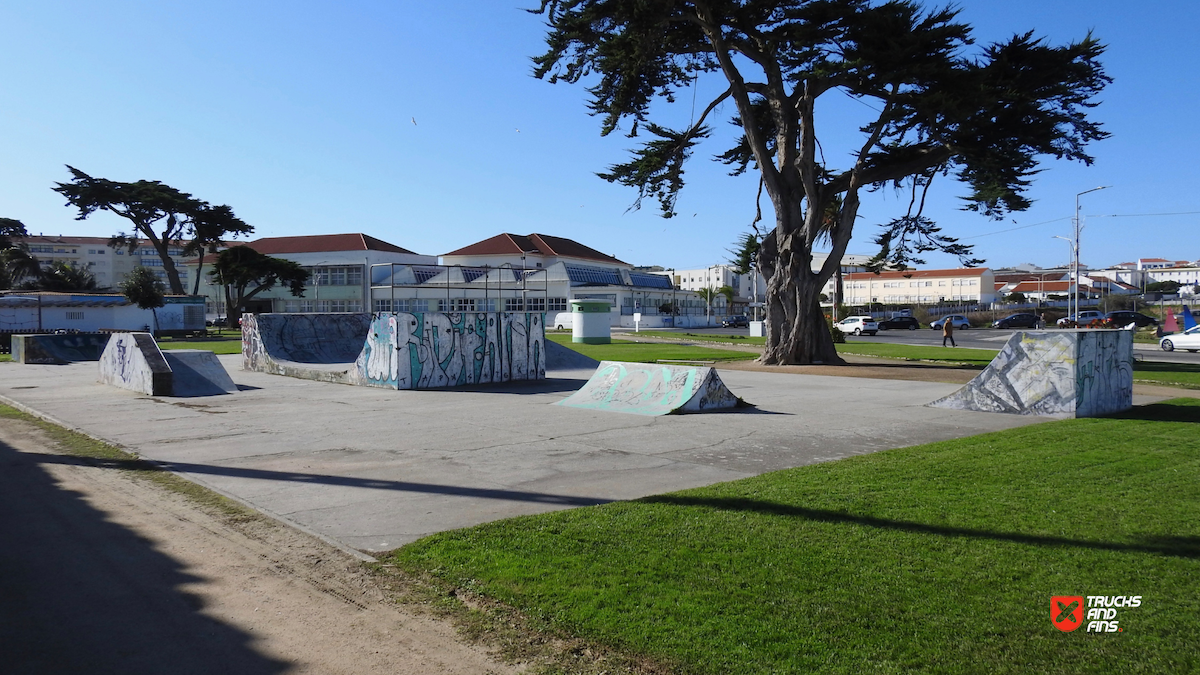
<point>152,262</point>
<point>384,305</point>
<point>557,305</point>
<point>74,316</point>
<point>536,305</point>
<point>513,305</point>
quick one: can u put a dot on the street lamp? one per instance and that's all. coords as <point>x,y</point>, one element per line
<point>1078,229</point>
<point>1073,251</point>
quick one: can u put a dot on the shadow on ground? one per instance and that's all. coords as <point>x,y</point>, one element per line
<point>1184,547</point>
<point>80,594</point>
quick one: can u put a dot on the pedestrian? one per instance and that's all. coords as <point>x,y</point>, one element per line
<point>948,332</point>
<point>1042,321</point>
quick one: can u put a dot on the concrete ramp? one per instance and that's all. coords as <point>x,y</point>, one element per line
<point>195,372</point>
<point>422,350</point>
<point>133,361</point>
<point>649,389</point>
<point>58,348</point>
<point>1085,373</point>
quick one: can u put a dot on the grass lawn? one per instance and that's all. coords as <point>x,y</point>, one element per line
<point>225,342</point>
<point>705,337</point>
<point>645,352</point>
<point>939,557</point>
<point>1186,375</point>
<point>972,358</point>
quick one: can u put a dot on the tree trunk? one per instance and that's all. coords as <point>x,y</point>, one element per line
<point>233,311</point>
<point>795,324</point>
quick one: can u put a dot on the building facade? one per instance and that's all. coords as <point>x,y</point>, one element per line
<point>921,287</point>
<point>339,265</point>
<point>538,273</point>
<point>108,265</point>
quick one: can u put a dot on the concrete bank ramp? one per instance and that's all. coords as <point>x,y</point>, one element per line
<point>195,372</point>
<point>58,348</point>
<point>1084,373</point>
<point>133,361</point>
<point>650,389</point>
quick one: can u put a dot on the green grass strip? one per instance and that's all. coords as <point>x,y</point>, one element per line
<point>647,352</point>
<point>934,558</point>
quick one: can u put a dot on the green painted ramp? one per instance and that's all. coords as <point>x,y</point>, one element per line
<point>650,389</point>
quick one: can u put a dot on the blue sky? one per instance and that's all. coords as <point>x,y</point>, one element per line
<point>300,116</point>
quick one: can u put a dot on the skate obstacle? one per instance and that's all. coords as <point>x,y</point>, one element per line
<point>653,389</point>
<point>133,361</point>
<point>1084,373</point>
<point>398,350</point>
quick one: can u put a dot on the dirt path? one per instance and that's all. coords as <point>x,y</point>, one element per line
<point>101,572</point>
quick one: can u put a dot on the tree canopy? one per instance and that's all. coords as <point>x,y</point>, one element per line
<point>162,214</point>
<point>245,273</point>
<point>982,116</point>
<point>11,229</point>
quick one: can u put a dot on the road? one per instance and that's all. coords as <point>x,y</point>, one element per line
<point>974,338</point>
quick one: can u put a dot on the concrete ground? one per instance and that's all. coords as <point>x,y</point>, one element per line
<point>373,469</point>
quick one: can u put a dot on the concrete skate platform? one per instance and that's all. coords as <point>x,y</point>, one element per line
<point>374,468</point>
<point>650,389</point>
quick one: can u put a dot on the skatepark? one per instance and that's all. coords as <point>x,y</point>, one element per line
<point>371,469</point>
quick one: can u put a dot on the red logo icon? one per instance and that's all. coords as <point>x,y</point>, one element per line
<point>1066,612</point>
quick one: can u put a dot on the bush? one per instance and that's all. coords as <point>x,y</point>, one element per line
<point>838,336</point>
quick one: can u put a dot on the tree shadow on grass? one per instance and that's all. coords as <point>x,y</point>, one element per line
<point>1185,410</point>
<point>1182,547</point>
<point>82,594</point>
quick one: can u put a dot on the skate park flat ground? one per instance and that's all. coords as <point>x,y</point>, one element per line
<point>373,469</point>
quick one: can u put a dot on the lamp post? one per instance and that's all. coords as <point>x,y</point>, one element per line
<point>1078,229</point>
<point>1076,295</point>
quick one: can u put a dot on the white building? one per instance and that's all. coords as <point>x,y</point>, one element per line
<point>108,265</point>
<point>535,272</point>
<point>753,287</point>
<point>338,264</point>
<point>921,287</point>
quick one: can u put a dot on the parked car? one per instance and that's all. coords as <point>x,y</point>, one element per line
<point>1085,318</point>
<point>1020,320</point>
<point>858,325</point>
<point>1123,318</point>
<point>957,320</point>
<point>736,321</point>
<point>1188,340</point>
<point>219,322</point>
<point>899,323</point>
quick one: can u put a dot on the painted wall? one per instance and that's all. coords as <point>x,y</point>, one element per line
<point>398,350</point>
<point>434,349</point>
<point>647,389</point>
<point>1084,373</point>
<point>133,361</point>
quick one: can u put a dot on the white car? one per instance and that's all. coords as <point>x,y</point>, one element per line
<point>1188,340</point>
<point>857,325</point>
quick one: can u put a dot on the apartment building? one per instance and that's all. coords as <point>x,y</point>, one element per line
<point>108,265</point>
<point>923,287</point>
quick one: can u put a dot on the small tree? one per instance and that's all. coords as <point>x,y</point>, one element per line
<point>144,289</point>
<point>1015,297</point>
<point>245,273</point>
<point>1163,287</point>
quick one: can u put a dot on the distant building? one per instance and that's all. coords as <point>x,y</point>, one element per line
<point>921,287</point>
<point>108,265</point>
<point>339,265</point>
<point>534,272</point>
<point>747,286</point>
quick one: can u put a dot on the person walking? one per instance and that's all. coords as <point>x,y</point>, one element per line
<point>948,332</point>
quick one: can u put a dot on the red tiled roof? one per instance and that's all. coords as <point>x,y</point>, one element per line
<point>322,243</point>
<point>542,244</point>
<point>919,274</point>
<point>1046,286</point>
<point>1153,260</point>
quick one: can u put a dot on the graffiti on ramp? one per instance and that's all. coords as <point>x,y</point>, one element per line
<point>650,389</point>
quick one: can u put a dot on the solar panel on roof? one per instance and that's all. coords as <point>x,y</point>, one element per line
<point>650,280</point>
<point>593,275</point>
